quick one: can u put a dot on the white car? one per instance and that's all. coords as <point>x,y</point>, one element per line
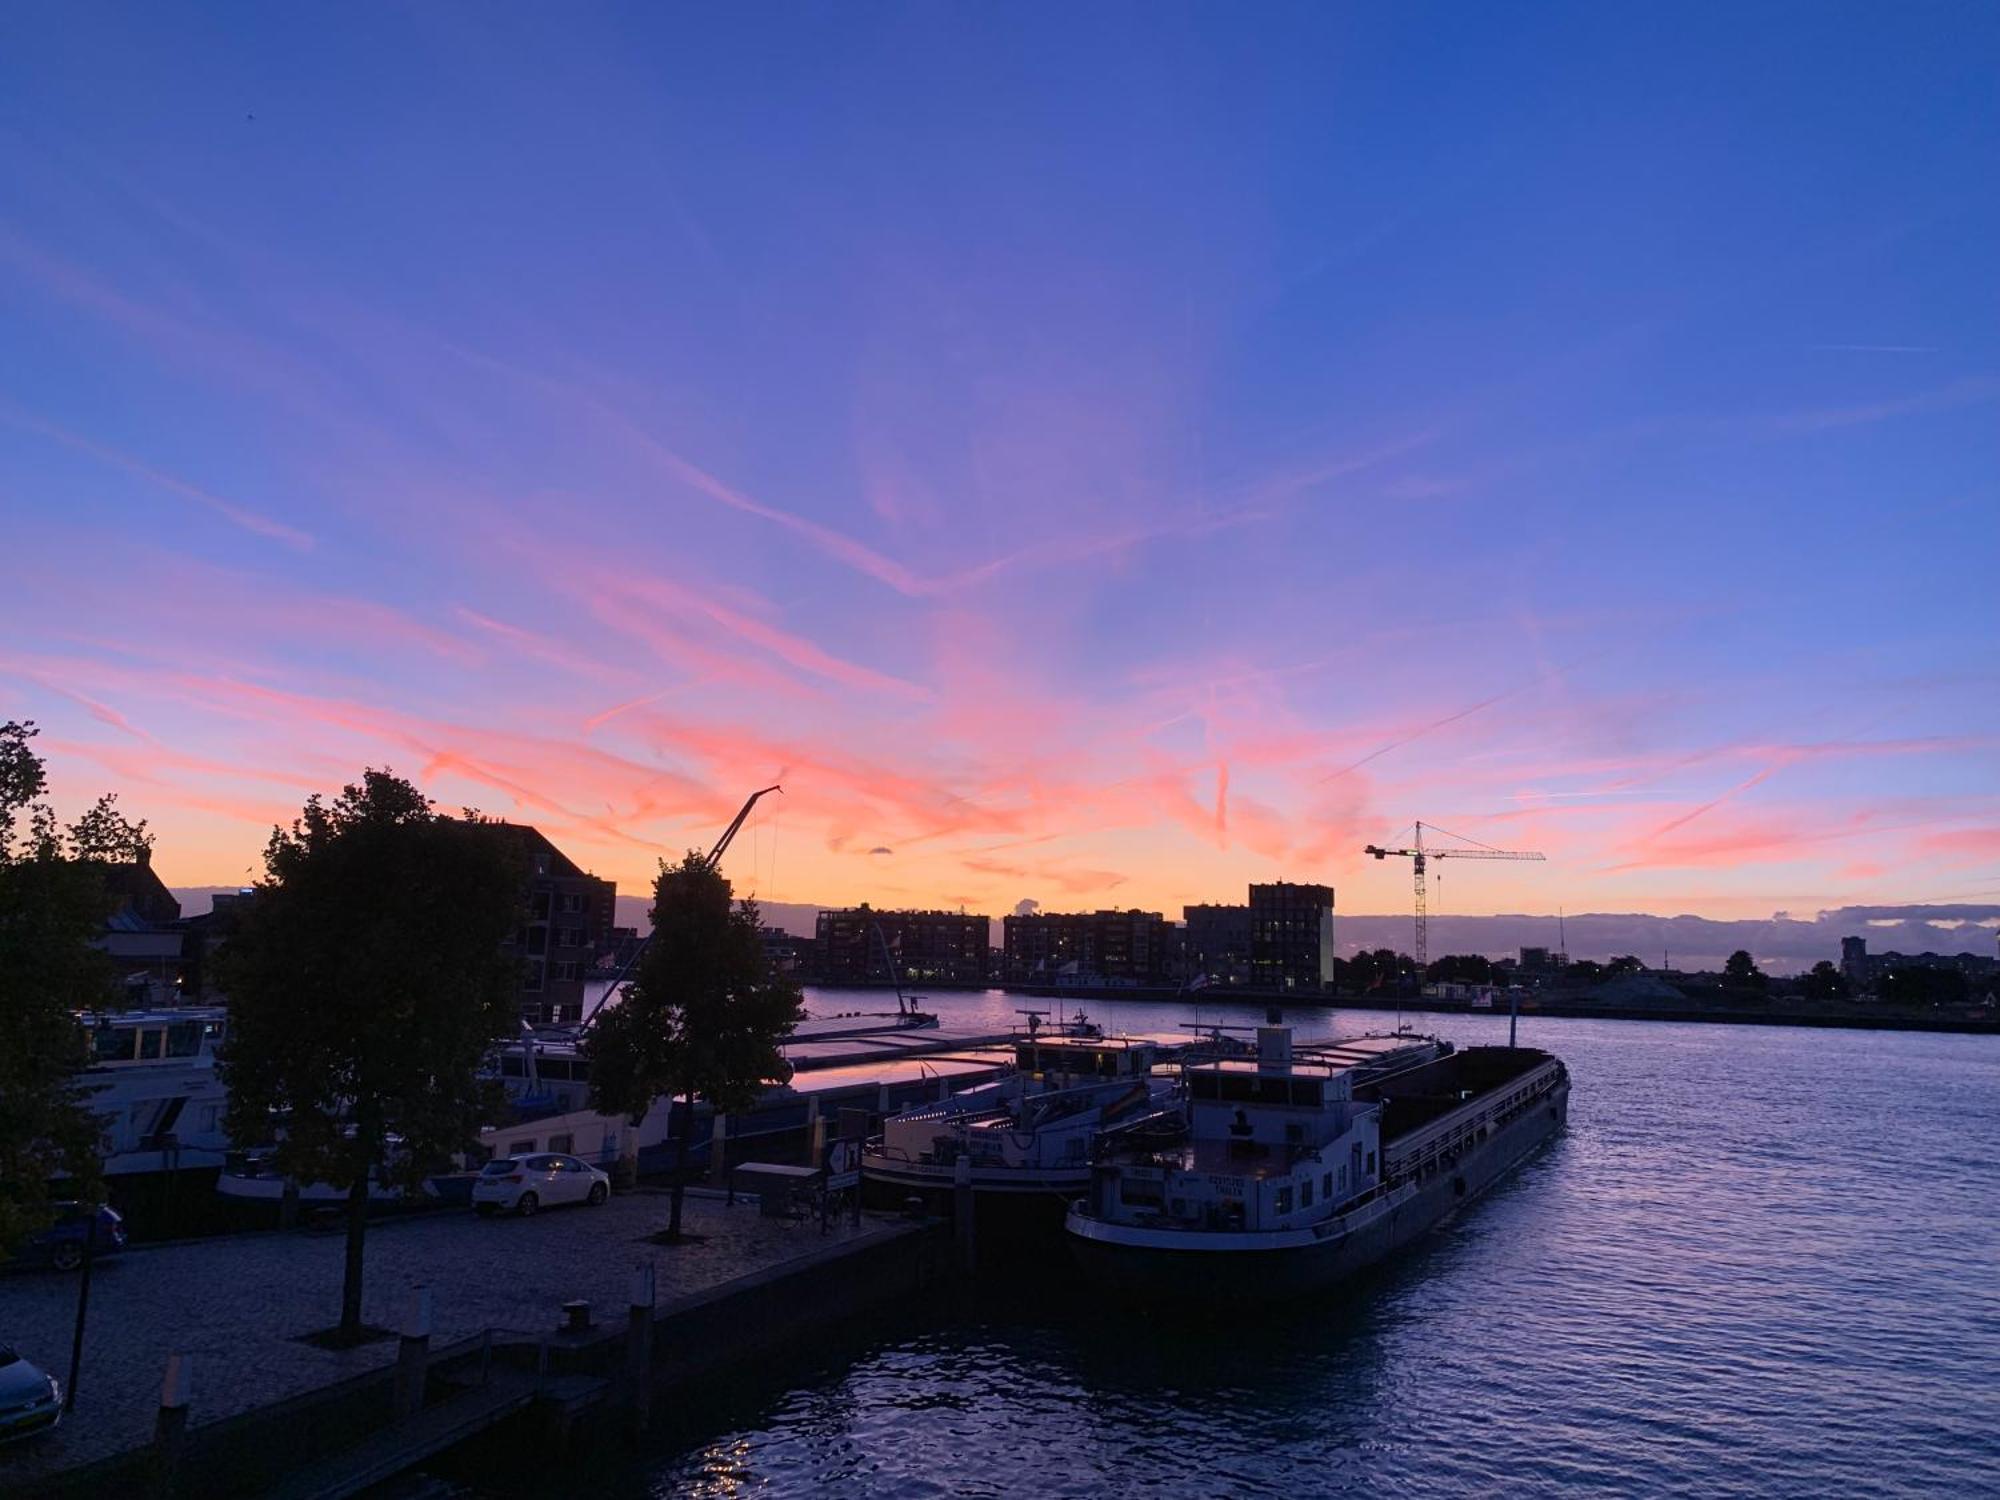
<point>30,1401</point>
<point>524,1184</point>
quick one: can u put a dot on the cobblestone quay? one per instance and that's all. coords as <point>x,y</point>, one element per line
<point>241,1305</point>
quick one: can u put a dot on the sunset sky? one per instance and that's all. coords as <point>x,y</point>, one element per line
<point>1099,455</point>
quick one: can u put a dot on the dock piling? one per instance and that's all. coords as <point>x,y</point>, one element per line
<point>639,1348</point>
<point>413,1354</point>
<point>962,1211</point>
<point>170,1428</point>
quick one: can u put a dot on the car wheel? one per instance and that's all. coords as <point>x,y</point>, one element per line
<point>526,1205</point>
<point>67,1255</point>
<point>598,1193</point>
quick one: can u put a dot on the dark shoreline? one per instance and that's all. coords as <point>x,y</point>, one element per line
<point>1880,1019</point>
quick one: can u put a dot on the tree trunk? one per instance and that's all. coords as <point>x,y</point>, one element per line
<point>685,1106</point>
<point>350,1286</point>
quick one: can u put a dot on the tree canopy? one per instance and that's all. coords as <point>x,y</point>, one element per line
<point>1825,982</point>
<point>366,982</point>
<point>52,911</point>
<point>1741,971</point>
<point>704,1015</point>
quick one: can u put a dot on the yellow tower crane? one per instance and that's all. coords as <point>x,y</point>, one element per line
<point>1419,856</point>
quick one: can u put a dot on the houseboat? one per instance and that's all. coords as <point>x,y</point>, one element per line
<point>1028,1135</point>
<point>1306,1164</point>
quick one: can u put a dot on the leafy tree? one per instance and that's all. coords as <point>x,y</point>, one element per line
<point>1582,971</point>
<point>105,835</point>
<point>52,911</point>
<point>1740,971</point>
<point>703,1016</point>
<point>1825,982</point>
<point>366,982</point>
<point>1624,964</point>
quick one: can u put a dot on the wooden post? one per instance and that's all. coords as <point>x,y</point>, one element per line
<point>961,1211</point>
<point>413,1354</point>
<point>639,1348</point>
<point>170,1427</point>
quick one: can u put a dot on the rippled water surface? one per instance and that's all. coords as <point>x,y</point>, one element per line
<point>1761,1261</point>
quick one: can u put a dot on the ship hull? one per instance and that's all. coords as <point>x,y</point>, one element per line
<point>1199,1267</point>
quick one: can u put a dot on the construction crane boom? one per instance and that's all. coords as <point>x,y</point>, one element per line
<point>714,858</point>
<point>729,834</point>
<point>1420,858</point>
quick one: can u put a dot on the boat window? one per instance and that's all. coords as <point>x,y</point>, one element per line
<point>553,1067</point>
<point>184,1039</point>
<point>519,1146</point>
<point>1371,1163</point>
<point>510,1066</point>
<point>1274,1091</point>
<point>1326,1186</point>
<point>110,1044</point>
<point>562,1143</point>
<point>1306,1193</point>
<point>1283,1202</point>
<point>1201,1085</point>
<point>1306,1092</point>
<point>151,1040</point>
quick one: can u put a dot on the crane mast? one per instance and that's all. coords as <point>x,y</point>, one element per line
<point>1420,858</point>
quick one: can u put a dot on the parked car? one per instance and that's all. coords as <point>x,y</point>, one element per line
<point>524,1184</point>
<point>62,1244</point>
<point>30,1398</point>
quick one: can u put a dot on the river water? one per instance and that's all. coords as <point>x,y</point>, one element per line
<point>1761,1261</point>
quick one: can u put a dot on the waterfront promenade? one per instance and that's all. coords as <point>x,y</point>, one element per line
<point>240,1304</point>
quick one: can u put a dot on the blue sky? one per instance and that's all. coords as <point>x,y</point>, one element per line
<point>1100,458</point>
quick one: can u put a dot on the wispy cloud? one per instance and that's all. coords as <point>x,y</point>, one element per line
<point>239,515</point>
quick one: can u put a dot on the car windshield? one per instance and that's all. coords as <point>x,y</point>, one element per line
<point>495,1168</point>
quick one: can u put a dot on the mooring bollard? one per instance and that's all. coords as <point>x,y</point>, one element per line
<point>639,1347</point>
<point>961,1210</point>
<point>170,1428</point>
<point>413,1353</point>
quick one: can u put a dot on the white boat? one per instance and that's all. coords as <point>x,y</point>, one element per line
<point>152,1081</point>
<point>1027,1135</point>
<point>1303,1166</point>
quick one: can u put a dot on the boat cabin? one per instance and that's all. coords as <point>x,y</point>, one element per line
<point>1274,1142</point>
<point>1053,1059</point>
<point>153,1036</point>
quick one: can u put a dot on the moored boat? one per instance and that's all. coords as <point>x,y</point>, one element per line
<point>1306,1165</point>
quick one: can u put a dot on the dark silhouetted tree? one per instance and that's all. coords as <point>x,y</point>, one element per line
<point>366,981</point>
<point>1582,971</point>
<point>1921,984</point>
<point>52,911</point>
<point>1740,972</point>
<point>703,1017</point>
<point>1460,968</point>
<point>1824,982</point>
<point>104,834</point>
<point>1624,964</point>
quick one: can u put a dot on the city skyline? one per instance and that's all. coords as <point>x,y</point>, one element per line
<point>1172,467</point>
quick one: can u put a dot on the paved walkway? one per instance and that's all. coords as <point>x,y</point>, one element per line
<point>238,1304</point>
